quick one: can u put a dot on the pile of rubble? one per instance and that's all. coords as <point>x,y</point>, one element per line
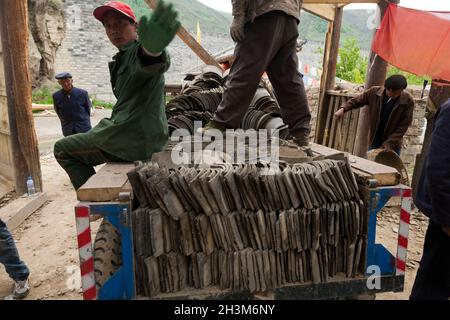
<point>242,227</point>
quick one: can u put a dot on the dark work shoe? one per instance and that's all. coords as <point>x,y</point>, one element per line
<point>301,139</point>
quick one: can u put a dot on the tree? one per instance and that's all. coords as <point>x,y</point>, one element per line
<point>352,65</point>
<point>412,78</point>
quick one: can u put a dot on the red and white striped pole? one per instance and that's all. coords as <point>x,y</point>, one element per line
<point>403,231</point>
<point>85,252</point>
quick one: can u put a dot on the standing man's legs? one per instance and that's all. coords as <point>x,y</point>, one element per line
<point>15,268</point>
<point>261,43</point>
<point>77,155</point>
<point>433,277</point>
<point>289,87</point>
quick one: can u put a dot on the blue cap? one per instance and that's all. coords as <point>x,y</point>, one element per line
<point>63,75</point>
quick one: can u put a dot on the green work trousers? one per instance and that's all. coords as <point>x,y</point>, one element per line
<point>78,156</point>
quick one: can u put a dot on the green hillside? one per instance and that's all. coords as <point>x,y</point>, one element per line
<point>311,27</point>
<point>354,26</point>
<point>191,11</point>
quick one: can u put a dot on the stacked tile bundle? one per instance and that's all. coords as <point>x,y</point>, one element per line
<point>246,227</point>
<point>200,98</point>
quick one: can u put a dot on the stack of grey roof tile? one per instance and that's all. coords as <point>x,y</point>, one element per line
<point>200,98</point>
<point>236,227</point>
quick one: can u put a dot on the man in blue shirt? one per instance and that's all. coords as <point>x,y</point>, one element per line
<point>72,105</point>
<point>433,199</point>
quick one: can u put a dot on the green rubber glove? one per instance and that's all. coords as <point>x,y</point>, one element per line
<point>156,33</point>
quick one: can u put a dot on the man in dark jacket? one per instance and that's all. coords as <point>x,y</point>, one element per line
<point>433,199</point>
<point>390,110</point>
<point>266,33</point>
<point>72,105</point>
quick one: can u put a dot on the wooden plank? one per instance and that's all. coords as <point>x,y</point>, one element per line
<point>376,75</point>
<point>16,212</point>
<point>324,11</point>
<point>329,123</point>
<point>190,41</point>
<point>324,100</point>
<point>353,127</point>
<point>6,170</point>
<point>6,186</point>
<point>334,122</point>
<point>106,184</point>
<point>341,93</point>
<point>345,138</point>
<point>329,73</point>
<point>386,176</point>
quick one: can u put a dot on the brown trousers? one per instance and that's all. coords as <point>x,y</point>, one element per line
<point>269,45</point>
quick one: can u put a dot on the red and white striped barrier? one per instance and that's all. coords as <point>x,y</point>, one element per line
<point>403,231</point>
<point>85,252</point>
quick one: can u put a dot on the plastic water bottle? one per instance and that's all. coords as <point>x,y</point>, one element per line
<point>30,186</point>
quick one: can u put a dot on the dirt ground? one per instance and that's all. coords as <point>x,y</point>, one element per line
<point>47,240</point>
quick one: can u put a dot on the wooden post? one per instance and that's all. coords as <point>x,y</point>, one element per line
<point>24,146</point>
<point>376,75</point>
<point>190,41</point>
<point>329,72</point>
<point>438,96</point>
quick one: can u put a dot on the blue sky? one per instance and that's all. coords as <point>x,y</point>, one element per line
<point>434,5</point>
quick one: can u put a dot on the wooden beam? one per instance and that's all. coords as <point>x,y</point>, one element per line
<point>24,146</point>
<point>17,211</point>
<point>324,11</point>
<point>329,71</point>
<point>107,183</point>
<point>385,176</point>
<point>190,41</point>
<point>376,75</point>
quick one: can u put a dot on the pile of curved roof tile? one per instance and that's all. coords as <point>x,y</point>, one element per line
<point>200,98</point>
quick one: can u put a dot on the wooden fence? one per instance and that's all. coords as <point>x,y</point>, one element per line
<point>340,135</point>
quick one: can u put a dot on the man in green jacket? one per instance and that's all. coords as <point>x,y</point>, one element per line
<point>137,127</point>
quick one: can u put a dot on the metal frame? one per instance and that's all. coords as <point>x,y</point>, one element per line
<point>377,254</point>
<point>122,284</point>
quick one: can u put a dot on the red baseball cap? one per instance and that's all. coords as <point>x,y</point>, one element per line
<point>118,6</point>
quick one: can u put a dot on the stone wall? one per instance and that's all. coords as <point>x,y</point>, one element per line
<point>313,102</point>
<point>413,139</point>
